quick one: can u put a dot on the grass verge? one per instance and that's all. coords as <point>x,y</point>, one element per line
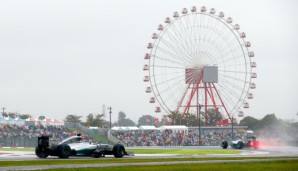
<point>17,149</point>
<point>115,160</point>
<point>250,166</point>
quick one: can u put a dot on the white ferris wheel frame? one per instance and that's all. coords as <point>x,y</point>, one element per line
<point>231,29</point>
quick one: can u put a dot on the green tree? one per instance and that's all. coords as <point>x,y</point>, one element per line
<point>269,121</point>
<point>251,122</point>
<point>13,114</point>
<point>126,122</point>
<point>41,117</point>
<point>25,116</point>
<point>190,119</point>
<point>176,118</point>
<point>213,116</point>
<point>73,118</point>
<point>295,125</point>
<point>95,120</point>
<point>187,119</point>
<point>121,115</point>
<point>123,121</point>
<point>146,120</point>
<point>89,119</point>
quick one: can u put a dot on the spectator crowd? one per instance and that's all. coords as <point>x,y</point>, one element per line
<point>26,135</point>
<point>169,138</point>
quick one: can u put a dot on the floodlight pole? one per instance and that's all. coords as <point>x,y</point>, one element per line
<point>3,108</point>
<point>110,112</point>
<point>232,128</point>
<point>200,130</point>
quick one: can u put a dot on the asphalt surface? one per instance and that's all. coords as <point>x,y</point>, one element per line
<point>268,151</point>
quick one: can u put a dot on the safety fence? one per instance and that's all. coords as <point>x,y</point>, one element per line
<point>18,141</point>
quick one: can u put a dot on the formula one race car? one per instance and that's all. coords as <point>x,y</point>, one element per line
<point>74,146</point>
<point>249,140</point>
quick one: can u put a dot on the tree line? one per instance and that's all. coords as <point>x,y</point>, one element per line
<point>97,120</point>
<point>269,121</point>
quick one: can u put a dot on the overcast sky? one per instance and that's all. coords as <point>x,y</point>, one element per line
<point>63,57</point>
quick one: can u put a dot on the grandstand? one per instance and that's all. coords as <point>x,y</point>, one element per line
<point>23,133</point>
<point>177,135</point>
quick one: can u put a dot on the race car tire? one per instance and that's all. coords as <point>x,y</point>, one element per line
<point>118,151</point>
<point>224,144</point>
<point>64,151</point>
<point>240,144</point>
<point>41,152</point>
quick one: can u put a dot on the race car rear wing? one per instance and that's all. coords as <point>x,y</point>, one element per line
<point>48,142</point>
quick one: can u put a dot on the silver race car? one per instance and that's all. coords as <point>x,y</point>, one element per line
<point>74,146</point>
<point>248,140</point>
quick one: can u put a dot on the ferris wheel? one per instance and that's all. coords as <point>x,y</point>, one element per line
<point>199,58</point>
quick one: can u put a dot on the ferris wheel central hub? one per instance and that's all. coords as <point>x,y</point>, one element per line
<point>207,74</point>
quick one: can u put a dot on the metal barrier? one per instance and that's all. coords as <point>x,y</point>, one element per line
<point>18,141</point>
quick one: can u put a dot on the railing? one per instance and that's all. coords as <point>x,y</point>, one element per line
<point>18,141</point>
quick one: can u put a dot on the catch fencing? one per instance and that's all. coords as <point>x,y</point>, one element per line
<point>18,141</point>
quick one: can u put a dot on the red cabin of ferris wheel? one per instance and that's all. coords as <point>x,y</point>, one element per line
<point>148,90</point>
<point>193,9</point>
<point>243,35</point>
<point>251,54</point>
<point>154,36</point>
<point>149,46</point>
<point>253,75</point>
<point>203,9</point>
<point>252,85</point>
<point>250,96</point>
<point>184,11</point>
<point>152,100</point>
<point>160,27</point>
<point>247,44</point>
<point>229,20</point>
<point>221,14</point>
<point>246,105</point>
<point>146,67</point>
<point>175,14</point>
<point>212,11</point>
<point>147,56</point>
<point>253,64</point>
<point>240,114</point>
<point>236,26</point>
<point>167,20</point>
<point>146,78</point>
<point>157,109</point>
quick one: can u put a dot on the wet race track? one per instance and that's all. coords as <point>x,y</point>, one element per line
<point>261,152</point>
